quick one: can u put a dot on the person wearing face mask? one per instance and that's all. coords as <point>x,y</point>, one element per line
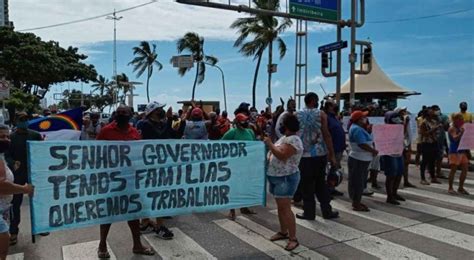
<point>442,141</point>
<point>457,158</point>
<point>7,189</point>
<point>362,153</point>
<point>240,132</point>
<point>429,129</point>
<point>467,117</point>
<point>121,130</point>
<point>407,142</point>
<point>283,177</point>
<point>157,125</point>
<point>338,136</point>
<point>195,127</point>
<point>318,150</point>
<point>393,165</point>
<point>290,109</point>
<point>16,156</point>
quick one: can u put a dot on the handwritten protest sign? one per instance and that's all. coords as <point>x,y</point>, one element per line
<point>378,120</point>
<point>388,139</point>
<point>84,183</point>
<point>467,139</point>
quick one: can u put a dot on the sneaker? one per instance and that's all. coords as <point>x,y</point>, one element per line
<point>164,233</point>
<point>146,229</point>
<point>367,192</point>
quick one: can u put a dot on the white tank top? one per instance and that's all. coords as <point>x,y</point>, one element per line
<point>5,200</point>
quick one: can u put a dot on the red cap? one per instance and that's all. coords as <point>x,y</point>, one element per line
<point>241,117</point>
<point>197,112</point>
<point>356,115</point>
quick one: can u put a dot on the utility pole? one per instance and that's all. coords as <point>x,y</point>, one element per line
<point>115,19</point>
<point>339,64</point>
<point>352,56</point>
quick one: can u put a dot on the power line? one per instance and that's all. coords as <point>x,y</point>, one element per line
<point>422,17</point>
<point>87,19</point>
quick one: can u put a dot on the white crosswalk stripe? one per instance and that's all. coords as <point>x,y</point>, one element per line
<point>180,247</point>
<point>18,256</point>
<point>255,240</point>
<point>267,233</point>
<point>430,231</point>
<point>84,251</point>
<point>462,217</point>
<point>464,202</point>
<point>360,240</point>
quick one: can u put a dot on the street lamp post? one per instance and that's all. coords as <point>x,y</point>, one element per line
<point>115,19</point>
<point>223,82</point>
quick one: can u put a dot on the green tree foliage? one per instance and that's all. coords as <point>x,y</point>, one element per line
<point>194,44</point>
<point>145,59</point>
<point>263,30</point>
<point>32,64</point>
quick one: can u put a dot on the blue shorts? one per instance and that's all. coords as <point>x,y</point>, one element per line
<point>4,226</point>
<point>284,186</point>
<point>393,166</point>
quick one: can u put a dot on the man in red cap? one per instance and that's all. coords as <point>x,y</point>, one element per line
<point>240,132</point>
<point>196,127</point>
<point>362,153</point>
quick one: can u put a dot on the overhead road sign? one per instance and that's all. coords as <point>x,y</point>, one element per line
<point>320,9</point>
<point>323,11</point>
<point>333,46</point>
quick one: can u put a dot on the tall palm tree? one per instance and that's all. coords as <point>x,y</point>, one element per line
<point>264,30</point>
<point>102,84</point>
<point>194,44</point>
<point>145,59</point>
<point>124,84</point>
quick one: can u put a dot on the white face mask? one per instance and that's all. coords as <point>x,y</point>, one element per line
<point>364,121</point>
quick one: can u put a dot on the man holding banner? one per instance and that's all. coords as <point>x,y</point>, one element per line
<point>121,130</point>
<point>16,157</point>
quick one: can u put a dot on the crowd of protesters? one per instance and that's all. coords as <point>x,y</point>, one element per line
<point>304,147</point>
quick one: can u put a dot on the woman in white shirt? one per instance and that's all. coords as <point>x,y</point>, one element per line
<point>7,189</point>
<point>283,177</point>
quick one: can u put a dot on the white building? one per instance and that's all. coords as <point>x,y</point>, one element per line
<point>4,17</point>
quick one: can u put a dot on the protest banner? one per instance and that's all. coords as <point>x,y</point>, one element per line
<point>379,120</point>
<point>86,183</point>
<point>467,139</point>
<point>388,139</point>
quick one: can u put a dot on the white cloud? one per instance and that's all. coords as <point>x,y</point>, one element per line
<point>163,20</point>
<point>419,72</point>
<point>317,80</point>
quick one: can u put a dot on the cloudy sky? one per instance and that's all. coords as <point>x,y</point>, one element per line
<point>433,56</point>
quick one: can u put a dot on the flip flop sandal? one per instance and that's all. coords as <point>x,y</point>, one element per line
<point>13,241</point>
<point>279,236</point>
<point>463,192</point>
<point>144,251</point>
<point>452,192</point>
<point>231,216</point>
<point>103,254</point>
<point>291,248</point>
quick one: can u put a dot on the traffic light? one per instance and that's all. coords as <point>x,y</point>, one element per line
<point>324,60</point>
<point>367,55</point>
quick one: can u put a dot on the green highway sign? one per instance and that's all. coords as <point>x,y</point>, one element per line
<point>322,9</point>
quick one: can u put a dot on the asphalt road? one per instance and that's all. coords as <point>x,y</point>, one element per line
<point>431,224</point>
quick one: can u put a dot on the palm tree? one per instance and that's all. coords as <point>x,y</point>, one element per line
<point>102,84</point>
<point>265,29</point>
<point>145,59</point>
<point>124,84</point>
<point>194,44</point>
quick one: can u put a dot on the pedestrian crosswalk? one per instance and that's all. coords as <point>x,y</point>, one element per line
<point>429,225</point>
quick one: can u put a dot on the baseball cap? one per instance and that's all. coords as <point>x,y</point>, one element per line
<point>152,107</point>
<point>358,115</point>
<point>197,112</point>
<point>241,117</point>
<point>400,109</point>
